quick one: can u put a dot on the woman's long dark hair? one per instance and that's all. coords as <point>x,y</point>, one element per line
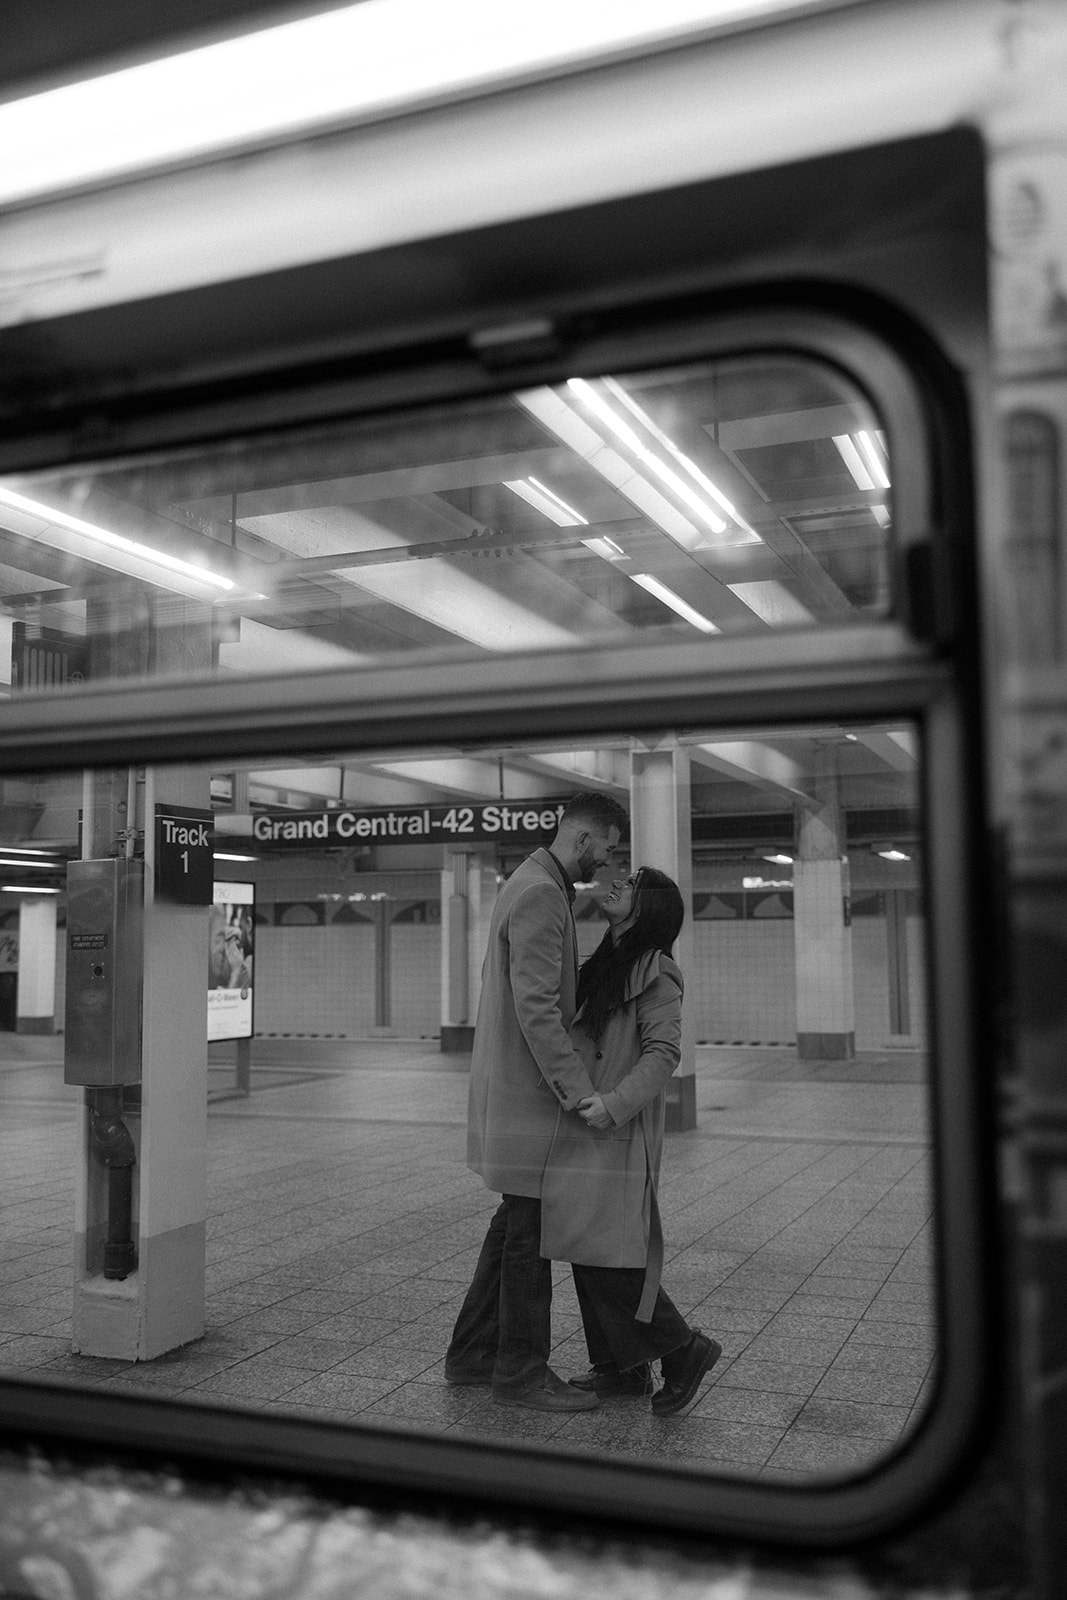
<point>602,980</point>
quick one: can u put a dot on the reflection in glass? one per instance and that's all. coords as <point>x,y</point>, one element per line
<point>717,498</point>
<point>342,1223</point>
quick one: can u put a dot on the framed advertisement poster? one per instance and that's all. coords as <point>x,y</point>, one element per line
<point>231,952</point>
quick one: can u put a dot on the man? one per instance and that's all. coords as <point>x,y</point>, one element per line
<point>523,1068</point>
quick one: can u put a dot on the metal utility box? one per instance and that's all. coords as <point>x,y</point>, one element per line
<point>105,943</point>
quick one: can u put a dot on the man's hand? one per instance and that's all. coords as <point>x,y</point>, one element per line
<point>592,1111</point>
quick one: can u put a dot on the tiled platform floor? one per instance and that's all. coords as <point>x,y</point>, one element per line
<point>343,1228</point>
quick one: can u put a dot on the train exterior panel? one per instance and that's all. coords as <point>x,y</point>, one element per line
<point>859,206</point>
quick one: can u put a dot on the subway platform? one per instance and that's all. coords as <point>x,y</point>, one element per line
<point>343,1228</point>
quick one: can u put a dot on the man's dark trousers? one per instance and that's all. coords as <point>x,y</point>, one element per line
<point>503,1332</point>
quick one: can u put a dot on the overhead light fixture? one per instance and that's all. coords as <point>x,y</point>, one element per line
<point>25,850</point>
<point>222,856</point>
<point>39,866</point>
<point>872,449</point>
<point>675,601</point>
<point>698,475</point>
<point>553,412</point>
<point>606,548</point>
<point>26,888</point>
<point>861,454</point>
<point>666,474</point>
<point>890,853</point>
<point>780,859</point>
<point>60,531</point>
<point>545,500</point>
<point>347,65</point>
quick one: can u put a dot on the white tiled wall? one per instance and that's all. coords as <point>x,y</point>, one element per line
<point>320,980</point>
<point>870,978</point>
<point>416,969</point>
<point>743,986</point>
<point>315,980</point>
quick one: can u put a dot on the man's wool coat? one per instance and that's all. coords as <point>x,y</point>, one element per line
<point>524,1066</point>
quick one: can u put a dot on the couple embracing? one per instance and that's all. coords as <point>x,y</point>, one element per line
<point>565,1122</point>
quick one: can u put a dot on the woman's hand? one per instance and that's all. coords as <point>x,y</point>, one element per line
<point>592,1111</point>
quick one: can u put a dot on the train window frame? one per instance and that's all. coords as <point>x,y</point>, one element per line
<point>920,665</point>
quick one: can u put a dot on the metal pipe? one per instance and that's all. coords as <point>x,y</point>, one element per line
<point>131,811</point>
<point>114,1145</point>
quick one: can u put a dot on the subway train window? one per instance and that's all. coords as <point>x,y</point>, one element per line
<point>719,498</point>
<point>267,1179</point>
<point>294,721</point>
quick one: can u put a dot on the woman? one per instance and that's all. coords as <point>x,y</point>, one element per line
<point>598,1197</point>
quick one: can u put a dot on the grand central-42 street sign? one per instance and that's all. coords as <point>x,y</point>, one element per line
<point>525,822</point>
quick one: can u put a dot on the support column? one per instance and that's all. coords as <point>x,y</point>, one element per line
<point>461,950</point>
<point>661,836</point>
<point>143,1140</point>
<point>171,1238</point>
<point>822,923</point>
<point>383,969</point>
<point>35,1005</point>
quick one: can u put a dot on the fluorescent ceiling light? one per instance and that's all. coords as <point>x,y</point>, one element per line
<point>780,860</point>
<point>543,499</point>
<point>893,855</point>
<point>853,461</point>
<point>861,454</point>
<point>25,850</point>
<point>606,548</point>
<point>698,475</point>
<point>881,515</point>
<point>667,476</point>
<point>39,866</point>
<point>34,520</point>
<point>345,66</point>
<point>26,888</point>
<point>872,455</point>
<point>222,856</point>
<point>553,412</point>
<point>772,601</point>
<point>675,601</point>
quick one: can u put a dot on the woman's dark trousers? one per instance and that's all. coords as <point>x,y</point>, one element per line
<point>608,1298</point>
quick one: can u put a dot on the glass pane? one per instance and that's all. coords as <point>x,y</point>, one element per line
<point>718,498</point>
<point>338,975</point>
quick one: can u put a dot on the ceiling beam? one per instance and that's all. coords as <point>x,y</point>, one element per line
<point>398,483</point>
<point>898,748</point>
<point>581,769</point>
<point>471,778</point>
<point>760,766</point>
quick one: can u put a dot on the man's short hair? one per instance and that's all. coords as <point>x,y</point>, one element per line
<point>596,810</point>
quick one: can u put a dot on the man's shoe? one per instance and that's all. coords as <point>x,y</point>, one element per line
<point>683,1372</point>
<point>549,1393</point>
<point>608,1381</point>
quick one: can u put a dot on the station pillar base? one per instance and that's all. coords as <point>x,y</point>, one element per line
<point>457,1038</point>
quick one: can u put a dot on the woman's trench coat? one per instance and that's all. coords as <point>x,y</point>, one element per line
<point>598,1192</point>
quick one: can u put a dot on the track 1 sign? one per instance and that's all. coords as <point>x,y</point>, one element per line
<point>185,856</point>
